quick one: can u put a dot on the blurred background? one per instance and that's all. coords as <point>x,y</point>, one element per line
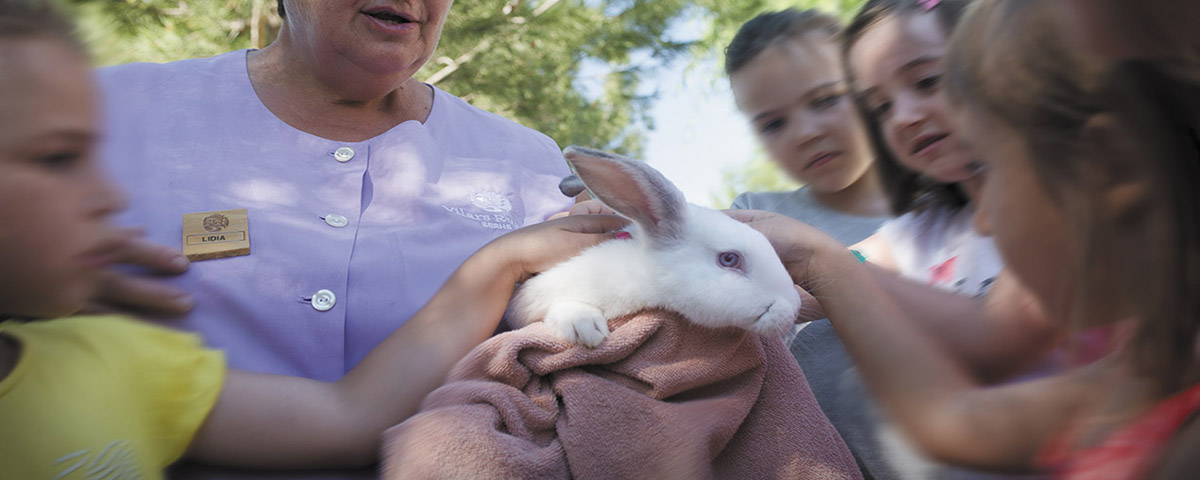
<point>638,77</point>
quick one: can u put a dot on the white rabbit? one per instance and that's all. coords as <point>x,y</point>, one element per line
<point>714,270</point>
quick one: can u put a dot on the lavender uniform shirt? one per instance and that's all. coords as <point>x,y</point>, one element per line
<point>379,224</point>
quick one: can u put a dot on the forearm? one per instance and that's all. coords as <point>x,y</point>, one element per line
<point>415,359</point>
<point>904,364</point>
<point>994,337</point>
<point>279,422</point>
<point>926,389</point>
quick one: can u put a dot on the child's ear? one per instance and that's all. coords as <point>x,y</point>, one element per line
<point>1114,167</point>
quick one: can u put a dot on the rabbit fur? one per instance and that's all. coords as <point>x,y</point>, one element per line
<point>715,271</point>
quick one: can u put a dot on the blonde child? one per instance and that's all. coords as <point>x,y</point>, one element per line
<point>1087,162</point>
<point>92,397</point>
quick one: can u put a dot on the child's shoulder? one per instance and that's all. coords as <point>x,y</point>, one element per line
<point>92,327</point>
<point>784,202</point>
<point>113,339</point>
<point>90,385</point>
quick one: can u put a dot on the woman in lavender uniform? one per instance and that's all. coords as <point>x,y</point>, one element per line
<point>363,187</point>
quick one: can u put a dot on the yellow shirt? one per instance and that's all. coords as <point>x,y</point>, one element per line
<point>102,397</point>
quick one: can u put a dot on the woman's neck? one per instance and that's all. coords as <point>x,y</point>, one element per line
<point>863,198</point>
<point>301,94</point>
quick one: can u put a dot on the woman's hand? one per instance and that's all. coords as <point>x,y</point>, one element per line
<point>585,207</point>
<point>535,248</point>
<point>122,290</point>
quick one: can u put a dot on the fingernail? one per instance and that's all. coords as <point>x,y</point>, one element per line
<point>185,301</point>
<point>973,167</point>
<point>624,235</point>
<point>179,262</point>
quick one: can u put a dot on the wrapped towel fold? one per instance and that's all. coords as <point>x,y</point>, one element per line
<point>661,398</point>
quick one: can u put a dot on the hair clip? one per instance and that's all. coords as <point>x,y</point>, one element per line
<point>928,4</point>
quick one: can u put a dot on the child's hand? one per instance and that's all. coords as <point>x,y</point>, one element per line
<point>796,243</point>
<point>535,248</point>
<point>120,290</point>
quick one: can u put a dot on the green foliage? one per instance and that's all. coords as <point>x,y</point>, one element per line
<point>757,175</point>
<point>525,60</point>
<point>728,16</point>
<point>123,31</point>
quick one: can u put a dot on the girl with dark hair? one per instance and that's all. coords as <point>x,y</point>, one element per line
<point>893,51</point>
<point>1087,162</point>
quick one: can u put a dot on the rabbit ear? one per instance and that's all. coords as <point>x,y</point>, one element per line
<point>634,190</point>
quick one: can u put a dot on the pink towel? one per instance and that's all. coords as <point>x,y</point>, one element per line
<point>661,398</point>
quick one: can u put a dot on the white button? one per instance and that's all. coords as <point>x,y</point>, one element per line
<point>343,154</point>
<point>323,300</point>
<point>336,221</point>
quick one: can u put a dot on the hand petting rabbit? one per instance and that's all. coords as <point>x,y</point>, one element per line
<point>715,271</point>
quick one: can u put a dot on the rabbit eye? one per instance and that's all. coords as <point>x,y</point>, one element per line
<point>730,260</point>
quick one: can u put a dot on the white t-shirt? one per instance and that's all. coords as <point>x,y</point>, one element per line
<point>938,246</point>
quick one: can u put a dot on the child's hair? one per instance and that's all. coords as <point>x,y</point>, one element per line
<point>21,19</point>
<point>1031,79</point>
<point>772,28</point>
<point>906,190</point>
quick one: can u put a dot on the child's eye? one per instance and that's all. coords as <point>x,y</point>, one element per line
<point>929,82</point>
<point>60,160</point>
<point>826,101</point>
<point>771,126</point>
<point>881,109</point>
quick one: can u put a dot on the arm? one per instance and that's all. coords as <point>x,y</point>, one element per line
<point>274,421</point>
<point>994,337</point>
<point>942,407</point>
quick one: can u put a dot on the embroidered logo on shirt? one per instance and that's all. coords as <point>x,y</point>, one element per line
<point>491,210</point>
<point>116,460</point>
<point>491,202</point>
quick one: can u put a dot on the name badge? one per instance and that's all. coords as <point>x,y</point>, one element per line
<point>212,235</point>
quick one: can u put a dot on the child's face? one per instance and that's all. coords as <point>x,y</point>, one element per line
<point>55,238</point>
<point>898,68</point>
<point>1013,206</point>
<point>795,96</point>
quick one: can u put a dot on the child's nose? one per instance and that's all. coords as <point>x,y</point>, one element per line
<point>804,131</point>
<point>107,198</point>
<point>906,112</point>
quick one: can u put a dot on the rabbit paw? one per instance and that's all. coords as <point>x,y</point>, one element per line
<point>577,322</point>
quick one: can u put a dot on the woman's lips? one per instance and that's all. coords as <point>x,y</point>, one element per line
<point>390,21</point>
